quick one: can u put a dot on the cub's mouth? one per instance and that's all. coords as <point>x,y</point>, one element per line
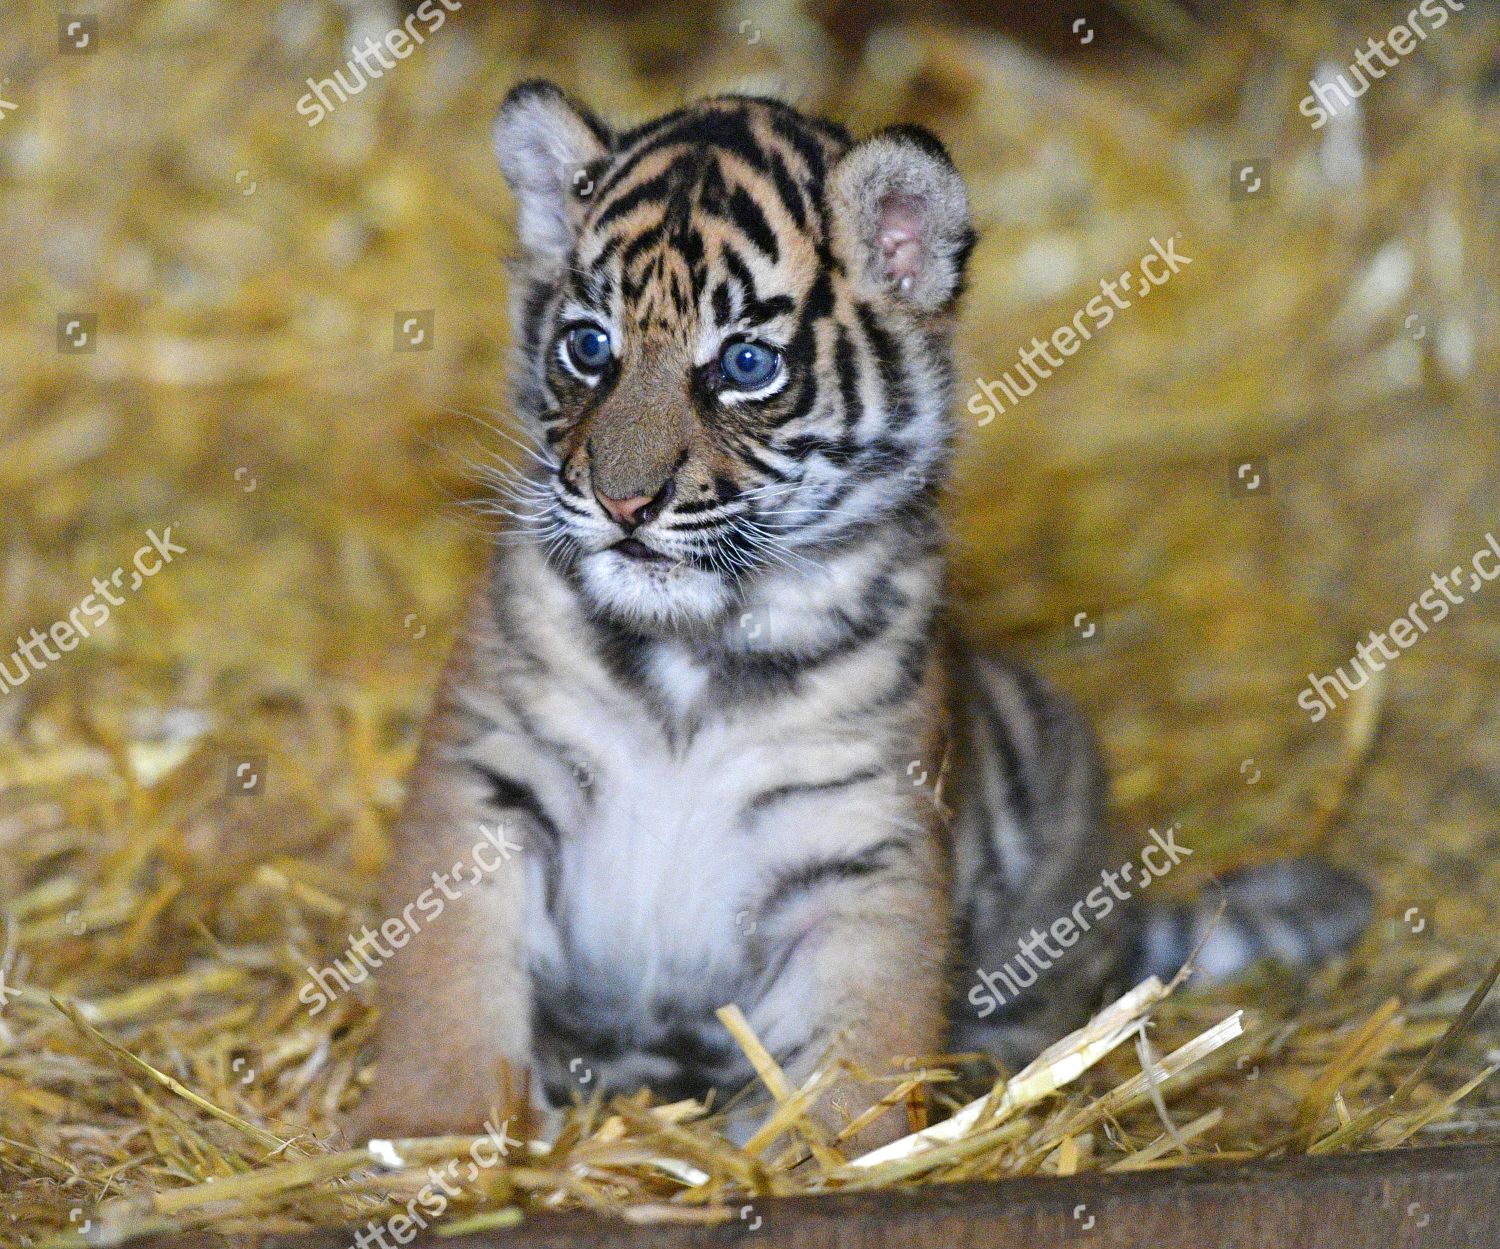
<point>634,549</point>
<point>660,592</point>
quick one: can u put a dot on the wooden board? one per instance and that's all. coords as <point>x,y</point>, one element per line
<point>1446,1198</point>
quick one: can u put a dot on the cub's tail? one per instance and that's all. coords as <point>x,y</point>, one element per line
<point>1298,912</point>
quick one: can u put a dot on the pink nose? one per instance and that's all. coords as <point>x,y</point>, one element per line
<point>626,511</point>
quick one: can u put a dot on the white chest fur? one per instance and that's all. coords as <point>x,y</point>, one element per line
<point>681,804</point>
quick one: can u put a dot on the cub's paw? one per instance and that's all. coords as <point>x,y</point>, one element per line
<point>397,1110</point>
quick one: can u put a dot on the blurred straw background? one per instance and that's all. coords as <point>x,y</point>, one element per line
<point>247,271</point>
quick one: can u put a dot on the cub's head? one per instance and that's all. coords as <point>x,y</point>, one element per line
<point>733,332</point>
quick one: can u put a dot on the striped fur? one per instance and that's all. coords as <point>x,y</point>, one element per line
<point>704,678</point>
<point>1030,838</point>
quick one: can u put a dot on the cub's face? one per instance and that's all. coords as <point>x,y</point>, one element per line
<point>732,327</point>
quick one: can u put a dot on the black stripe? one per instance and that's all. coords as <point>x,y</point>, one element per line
<point>653,190</point>
<point>769,797</point>
<point>707,127</point>
<point>911,672</point>
<point>835,450</point>
<point>509,794</point>
<point>713,191</point>
<point>804,398</point>
<point>558,1028</point>
<point>750,456</point>
<point>1040,703</point>
<point>829,503</point>
<point>803,347</point>
<point>692,1048</point>
<point>819,299</point>
<point>639,245</point>
<point>721,308</point>
<point>601,274</point>
<point>773,671</point>
<point>694,526</point>
<point>881,457</point>
<point>627,656</point>
<point>727,129</point>
<point>740,272</point>
<point>689,243</point>
<point>888,363</point>
<point>832,130</point>
<point>1018,788</point>
<point>791,197</point>
<point>698,505</point>
<point>847,368</point>
<point>747,216</point>
<point>585,286</point>
<point>817,873</point>
<point>532,310</point>
<point>806,147</point>
<point>767,309</point>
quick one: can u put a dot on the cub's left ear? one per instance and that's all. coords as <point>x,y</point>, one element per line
<point>550,150</point>
<point>902,216</point>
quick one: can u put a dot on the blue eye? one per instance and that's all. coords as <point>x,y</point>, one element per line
<point>588,348</point>
<point>749,366</point>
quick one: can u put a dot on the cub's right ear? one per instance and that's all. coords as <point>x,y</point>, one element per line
<point>547,146</point>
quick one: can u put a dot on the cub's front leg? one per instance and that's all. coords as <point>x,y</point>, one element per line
<point>867,976</point>
<point>455,1014</point>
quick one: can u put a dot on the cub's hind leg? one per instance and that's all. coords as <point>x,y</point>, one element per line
<point>1045,899</point>
<point>1039,934</point>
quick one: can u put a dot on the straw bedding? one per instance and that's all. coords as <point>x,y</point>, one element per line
<point>157,1070</point>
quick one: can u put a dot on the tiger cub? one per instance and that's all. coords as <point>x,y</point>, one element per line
<point>705,687</point>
